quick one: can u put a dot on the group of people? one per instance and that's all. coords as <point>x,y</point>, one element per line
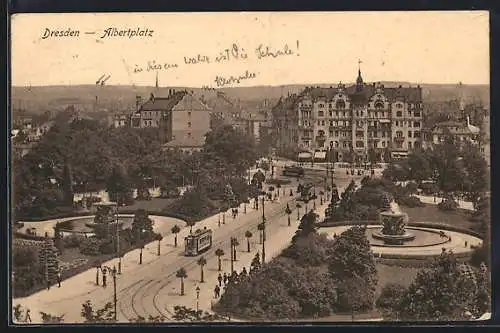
<point>225,279</point>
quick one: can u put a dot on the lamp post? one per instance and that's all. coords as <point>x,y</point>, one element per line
<point>263,232</point>
<point>118,253</point>
<point>332,162</point>
<point>197,299</point>
<point>219,216</point>
<point>232,254</point>
<point>113,273</point>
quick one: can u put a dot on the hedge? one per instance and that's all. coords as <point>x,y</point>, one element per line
<point>21,235</point>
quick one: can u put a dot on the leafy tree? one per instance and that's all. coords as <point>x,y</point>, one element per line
<point>67,185</point>
<point>202,262</point>
<point>104,315</point>
<point>175,230</point>
<point>352,259</point>
<point>142,225</point>
<point>310,251</point>
<point>159,238</point>
<point>119,186</point>
<point>255,264</point>
<point>307,225</point>
<point>51,319</point>
<point>182,313</point>
<point>181,274</point>
<point>248,235</point>
<point>190,224</point>
<point>476,181</point>
<point>412,188</point>
<point>419,166</point>
<point>446,291</point>
<point>390,298</point>
<point>373,156</point>
<point>219,253</point>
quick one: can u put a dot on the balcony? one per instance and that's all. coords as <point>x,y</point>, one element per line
<point>321,138</point>
<point>399,139</point>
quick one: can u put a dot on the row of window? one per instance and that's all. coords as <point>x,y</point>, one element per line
<point>409,123</point>
<point>341,104</point>
<point>371,134</point>
<point>360,123</point>
<point>376,144</point>
<point>360,113</point>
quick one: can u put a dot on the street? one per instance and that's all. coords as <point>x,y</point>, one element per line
<point>151,289</point>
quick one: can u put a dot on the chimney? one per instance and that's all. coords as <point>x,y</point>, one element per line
<point>152,97</point>
<point>400,86</point>
<point>137,102</point>
<point>169,92</point>
<point>468,121</point>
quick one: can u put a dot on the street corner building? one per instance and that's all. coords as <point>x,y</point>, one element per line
<point>351,120</point>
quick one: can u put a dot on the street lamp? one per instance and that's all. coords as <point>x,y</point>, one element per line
<point>263,232</point>
<point>197,299</point>
<point>332,163</point>
<point>118,253</point>
<point>113,273</point>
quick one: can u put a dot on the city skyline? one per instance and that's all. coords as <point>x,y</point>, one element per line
<point>393,46</point>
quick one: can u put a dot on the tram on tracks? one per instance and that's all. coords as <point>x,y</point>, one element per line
<point>198,242</point>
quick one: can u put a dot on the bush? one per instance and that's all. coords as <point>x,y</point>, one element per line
<point>72,241</point>
<point>448,205</point>
<point>390,297</point>
<point>107,247</point>
<point>90,246</point>
<point>410,202</point>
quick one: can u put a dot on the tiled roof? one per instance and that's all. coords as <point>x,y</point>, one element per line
<point>163,103</point>
<point>410,94</point>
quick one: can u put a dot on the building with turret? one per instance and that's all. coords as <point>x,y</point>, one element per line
<point>353,120</point>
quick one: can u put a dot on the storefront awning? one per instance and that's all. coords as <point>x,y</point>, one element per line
<point>305,155</point>
<point>320,155</point>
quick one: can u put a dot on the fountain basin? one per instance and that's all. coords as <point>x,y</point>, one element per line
<point>393,239</point>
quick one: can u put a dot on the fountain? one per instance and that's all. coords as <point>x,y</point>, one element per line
<point>393,230</point>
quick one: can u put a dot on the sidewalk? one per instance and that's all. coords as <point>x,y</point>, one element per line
<point>76,289</point>
<point>430,200</point>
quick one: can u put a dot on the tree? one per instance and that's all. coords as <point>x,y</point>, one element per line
<point>104,315</point>
<point>201,262</point>
<point>182,313</point>
<point>67,185</point>
<point>51,319</point>
<point>352,259</point>
<point>446,291</point>
<point>307,225</point>
<point>390,298</point>
<point>419,166</point>
<point>219,253</point>
<point>175,230</point>
<point>412,188</point>
<point>476,181</point>
<point>248,235</point>
<point>142,225</point>
<point>190,224</point>
<point>373,156</point>
<point>159,238</point>
<point>255,264</point>
<point>181,274</point>
<point>119,186</point>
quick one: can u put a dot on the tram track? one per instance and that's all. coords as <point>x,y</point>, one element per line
<point>188,263</point>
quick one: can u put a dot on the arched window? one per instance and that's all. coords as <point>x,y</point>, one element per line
<point>321,133</point>
<point>379,105</point>
<point>340,104</point>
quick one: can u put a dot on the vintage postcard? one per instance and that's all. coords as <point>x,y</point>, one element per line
<point>250,167</point>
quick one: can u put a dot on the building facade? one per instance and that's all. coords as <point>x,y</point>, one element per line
<point>180,116</point>
<point>353,120</point>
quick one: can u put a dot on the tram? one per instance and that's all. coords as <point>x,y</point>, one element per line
<point>293,171</point>
<point>198,242</point>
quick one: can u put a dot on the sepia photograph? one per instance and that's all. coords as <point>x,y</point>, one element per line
<point>249,167</point>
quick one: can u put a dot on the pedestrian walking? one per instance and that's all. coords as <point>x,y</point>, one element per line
<point>104,279</point>
<point>291,192</point>
<point>219,278</point>
<point>59,279</point>
<point>244,271</point>
<point>27,319</point>
<point>217,291</point>
<point>225,278</point>
<point>465,243</point>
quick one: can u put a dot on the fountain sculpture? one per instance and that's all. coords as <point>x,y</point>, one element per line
<point>393,223</point>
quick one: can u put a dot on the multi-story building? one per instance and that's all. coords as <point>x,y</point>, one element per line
<point>352,120</point>
<point>180,116</point>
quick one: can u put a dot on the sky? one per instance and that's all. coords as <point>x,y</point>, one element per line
<point>316,47</point>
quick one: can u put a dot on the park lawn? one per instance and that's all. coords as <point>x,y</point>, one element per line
<point>153,205</point>
<point>431,213</point>
<point>394,274</point>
